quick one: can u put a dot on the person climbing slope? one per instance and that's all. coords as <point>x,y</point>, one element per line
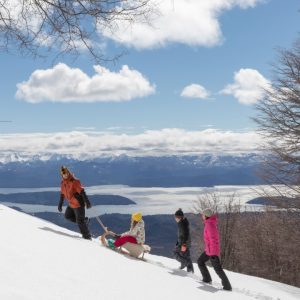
<point>182,248</point>
<point>72,190</point>
<point>212,249</point>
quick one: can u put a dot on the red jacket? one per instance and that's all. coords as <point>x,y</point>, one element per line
<point>69,187</point>
<point>211,236</point>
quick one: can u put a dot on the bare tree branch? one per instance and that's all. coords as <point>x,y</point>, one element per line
<point>63,26</point>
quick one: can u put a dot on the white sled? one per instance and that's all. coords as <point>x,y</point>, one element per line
<point>134,250</point>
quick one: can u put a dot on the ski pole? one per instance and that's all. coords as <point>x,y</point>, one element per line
<point>105,228</point>
<point>102,225</point>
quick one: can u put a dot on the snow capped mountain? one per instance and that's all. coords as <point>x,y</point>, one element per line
<point>203,159</point>
<point>43,261</point>
<point>15,157</point>
<point>201,170</point>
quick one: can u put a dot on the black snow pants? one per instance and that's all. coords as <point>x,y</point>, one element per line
<point>215,261</point>
<point>77,215</point>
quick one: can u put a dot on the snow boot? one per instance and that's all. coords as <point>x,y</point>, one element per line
<point>207,281</point>
<point>190,268</point>
<point>87,237</point>
<point>182,266</point>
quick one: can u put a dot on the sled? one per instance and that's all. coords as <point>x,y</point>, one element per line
<point>134,250</point>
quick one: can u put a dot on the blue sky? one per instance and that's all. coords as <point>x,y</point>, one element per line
<point>249,39</point>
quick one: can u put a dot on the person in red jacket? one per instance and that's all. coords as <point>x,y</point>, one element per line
<point>212,250</point>
<point>72,190</point>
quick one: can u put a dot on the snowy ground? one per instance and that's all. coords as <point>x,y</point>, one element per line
<point>150,201</point>
<point>40,260</point>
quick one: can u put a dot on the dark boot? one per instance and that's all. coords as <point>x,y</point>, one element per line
<point>182,265</point>
<point>190,268</point>
<point>208,282</point>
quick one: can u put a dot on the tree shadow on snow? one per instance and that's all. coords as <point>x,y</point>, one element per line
<point>60,232</point>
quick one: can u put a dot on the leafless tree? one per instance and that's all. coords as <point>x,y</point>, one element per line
<point>268,245</point>
<point>279,122</point>
<point>66,26</point>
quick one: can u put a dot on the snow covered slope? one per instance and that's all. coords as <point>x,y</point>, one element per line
<point>42,261</point>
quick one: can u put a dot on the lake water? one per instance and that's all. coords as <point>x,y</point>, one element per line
<point>150,201</point>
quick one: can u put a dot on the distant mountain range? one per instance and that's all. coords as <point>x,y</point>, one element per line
<point>163,171</point>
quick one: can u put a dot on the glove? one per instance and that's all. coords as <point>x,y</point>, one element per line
<point>88,203</point>
<point>183,248</point>
<point>60,204</point>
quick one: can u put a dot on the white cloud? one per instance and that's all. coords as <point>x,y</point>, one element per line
<point>248,87</point>
<point>120,128</point>
<point>191,22</point>
<point>88,145</point>
<point>81,128</point>
<point>65,84</point>
<point>195,91</point>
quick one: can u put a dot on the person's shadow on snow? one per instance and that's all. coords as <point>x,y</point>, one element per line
<point>203,287</point>
<point>178,273</point>
<point>208,288</point>
<point>60,232</point>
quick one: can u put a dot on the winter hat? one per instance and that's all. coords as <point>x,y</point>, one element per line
<point>179,213</point>
<point>136,217</point>
<point>207,212</point>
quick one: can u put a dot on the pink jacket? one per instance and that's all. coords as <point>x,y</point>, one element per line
<point>211,236</point>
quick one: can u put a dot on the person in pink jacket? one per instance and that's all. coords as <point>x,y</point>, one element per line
<point>212,249</point>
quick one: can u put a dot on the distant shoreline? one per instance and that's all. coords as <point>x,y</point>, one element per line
<point>49,198</point>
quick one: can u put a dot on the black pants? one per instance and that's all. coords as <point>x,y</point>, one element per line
<point>77,215</point>
<point>215,261</point>
<point>184,258</point>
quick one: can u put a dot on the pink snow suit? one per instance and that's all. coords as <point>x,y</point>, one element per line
<point>211,236</point>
